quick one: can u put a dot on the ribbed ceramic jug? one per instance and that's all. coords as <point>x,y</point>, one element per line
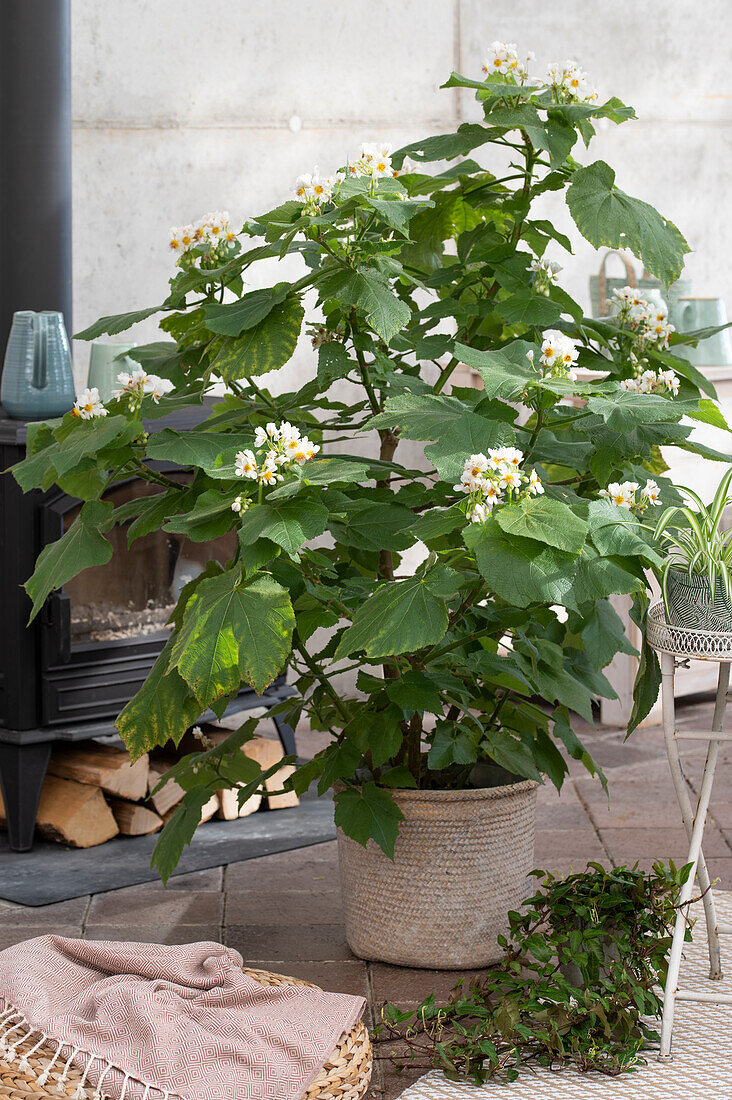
<point>37,381</point>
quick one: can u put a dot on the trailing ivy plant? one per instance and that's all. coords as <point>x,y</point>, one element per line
<point>482,651</point>
<point>578,985</point>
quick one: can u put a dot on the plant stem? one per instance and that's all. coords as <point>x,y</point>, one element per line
<point>324,682</point>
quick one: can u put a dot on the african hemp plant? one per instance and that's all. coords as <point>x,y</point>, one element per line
<point>484,650</point>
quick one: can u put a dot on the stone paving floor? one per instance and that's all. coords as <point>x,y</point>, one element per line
<point>284,912</point>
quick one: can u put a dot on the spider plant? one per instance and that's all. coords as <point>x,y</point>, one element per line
<point>693,540</point>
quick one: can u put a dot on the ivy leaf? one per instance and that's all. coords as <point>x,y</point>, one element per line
<point>81,546</point>
<point>162,710</point>
<point>233,630</point>
<point>544,520</point>
<point>264,346</point>
<point>400,617</point>
<point>232,318</point>
<point>289,524</point>
<point>607,217</point>
<point>116,322</point>
<point>369,813</point>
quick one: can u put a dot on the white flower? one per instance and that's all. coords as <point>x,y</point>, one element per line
<point>245,464</point>
<point>237,503</point>
<point>670,380</point>
<point>510,478</point>
<point>376,159</point>
<point>480,512</point>
<point>559,353</point>
<point>660,330</point>
<point>628,296</point>
<point>265,435</point>
<point>650,492</point>
<point>621,494</point>
<point>214,226</point>
<point>157,387</point>
<point>304,186</point>
<point>561,612</point>
<point>174,241</point>
<point>270,474</point>
<point>500,58</point>
<point>133,383</point>
<point>187,237</point>
<point>306,450</point>
<point>535,486</point>
<point>554,74</point>
<point>492,494</point>
<point>647,382</point>
<point>630,385</point>
<point>545,267</point>
<point>88,405</point>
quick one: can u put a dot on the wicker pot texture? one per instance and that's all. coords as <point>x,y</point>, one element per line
<point>460,864</point>
<point>345,1075</point>
<point>690,602</point>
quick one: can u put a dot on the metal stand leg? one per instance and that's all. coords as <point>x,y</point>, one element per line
<point>22,771</point>
<point>696,832</point>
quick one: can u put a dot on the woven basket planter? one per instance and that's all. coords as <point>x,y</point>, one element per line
<point>345,1075</point>
<point>690,602</point>
<point>460,863</point>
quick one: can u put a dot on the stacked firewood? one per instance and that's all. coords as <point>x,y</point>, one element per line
<point>93,791</point>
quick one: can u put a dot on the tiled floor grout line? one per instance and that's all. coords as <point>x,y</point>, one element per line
<point>85,915</point>
<point>224,903</point>
<point>585,806</point>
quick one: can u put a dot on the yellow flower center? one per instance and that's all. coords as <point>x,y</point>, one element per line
<point>619,499</point>
<point>498,63</point>
<point>381,167</point>
<point>476,471</point>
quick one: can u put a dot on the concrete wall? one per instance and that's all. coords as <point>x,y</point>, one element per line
<point>181,106</point>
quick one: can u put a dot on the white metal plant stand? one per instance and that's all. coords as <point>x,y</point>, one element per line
<point>676,645</point>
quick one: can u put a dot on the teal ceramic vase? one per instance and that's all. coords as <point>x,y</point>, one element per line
<point>37,381</point>
<point>106,360</point>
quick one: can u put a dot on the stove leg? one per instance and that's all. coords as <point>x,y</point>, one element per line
<point>22,771</point>
<point>286,735</point>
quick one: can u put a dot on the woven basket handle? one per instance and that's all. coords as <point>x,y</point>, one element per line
<point>602,277</point>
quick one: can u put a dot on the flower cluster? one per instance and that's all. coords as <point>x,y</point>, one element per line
<point>316,190</point>
<point>570,83</point>
<point>88,405</point>
<point>503,59</point>
<point>321,334</point>
<point>282,446</point>
<point>545,273</point>
<point>495,478</point>
<point>652,382</point>
<point>374,161</point>
<point>139,384</point>
<point>648,321</point>
<point>559,353</point>
<point>624,494</point>
<point>212,229</point>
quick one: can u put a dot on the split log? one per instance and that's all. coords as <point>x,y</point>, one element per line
<point>267,752</point>
<point>72,813</point>
<point>134,819</point>
<point>229,805</point>
<point>101,766</point>
<point>169,795</point>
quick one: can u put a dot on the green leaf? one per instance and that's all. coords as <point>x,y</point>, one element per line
<point>367,289</point>
<point>289,523</point>
<point>615,531</point>
<point>520,570</point>
<point>607,217</point>
<point>603,635</point>
<point>505,372</point>
<point>648,676</point>
<point>265,346</point>
<point>415,691</point>
<point>163,709</point>
<point>369,813</point>
<point>573,745</point>
<point>233,630</point>
<point>82,546</point>
<point>544,520</point>
<point>210,517</point>
<point>232,318</point>
<point>453,744</point>
<point>91,437</point>
<point>205,450</point>
<point>398,213</point>
<point>116,322</point>
<point>375,525</point>
<point>526,308</point>
<point>624,411</point>
<point>179,832</point>
<point>447,146</point>
<point>400,617</point>
<point>333,362</point>
<point>597,577</point>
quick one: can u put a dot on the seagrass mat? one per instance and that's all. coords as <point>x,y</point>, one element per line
<point>701,1068</point>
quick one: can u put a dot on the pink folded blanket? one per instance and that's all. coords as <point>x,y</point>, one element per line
<point>147,1022</point>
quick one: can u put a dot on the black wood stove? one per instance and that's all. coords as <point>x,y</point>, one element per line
<point>67,675</point>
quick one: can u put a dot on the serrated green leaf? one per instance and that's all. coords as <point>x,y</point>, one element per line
<point>288,524</point>
<point>116,322</point>
<point>400,617</point>
<point>526,308</point>
<point>520,570</point>
<point>369,813</point>
<point>603,635</point>
<point>178,832</point>
<point>163,709</point>
<point>333,362</point>
<point>232,318</point>
<point>544,520</point>
<point>264,347</point>
<point>233,630</point>
<point>82,546</point>
<point>606,216</point>
<point>368,290</point>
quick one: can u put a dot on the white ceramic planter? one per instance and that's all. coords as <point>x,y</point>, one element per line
<point>460,864</point>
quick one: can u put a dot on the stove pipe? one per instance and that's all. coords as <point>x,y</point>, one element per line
<point>35,159</point>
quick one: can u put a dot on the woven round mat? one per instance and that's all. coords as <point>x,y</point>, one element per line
<point>345,1075</point>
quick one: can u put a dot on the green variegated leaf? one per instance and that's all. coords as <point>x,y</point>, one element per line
<point>263,347</point>
<point>163,709</point>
